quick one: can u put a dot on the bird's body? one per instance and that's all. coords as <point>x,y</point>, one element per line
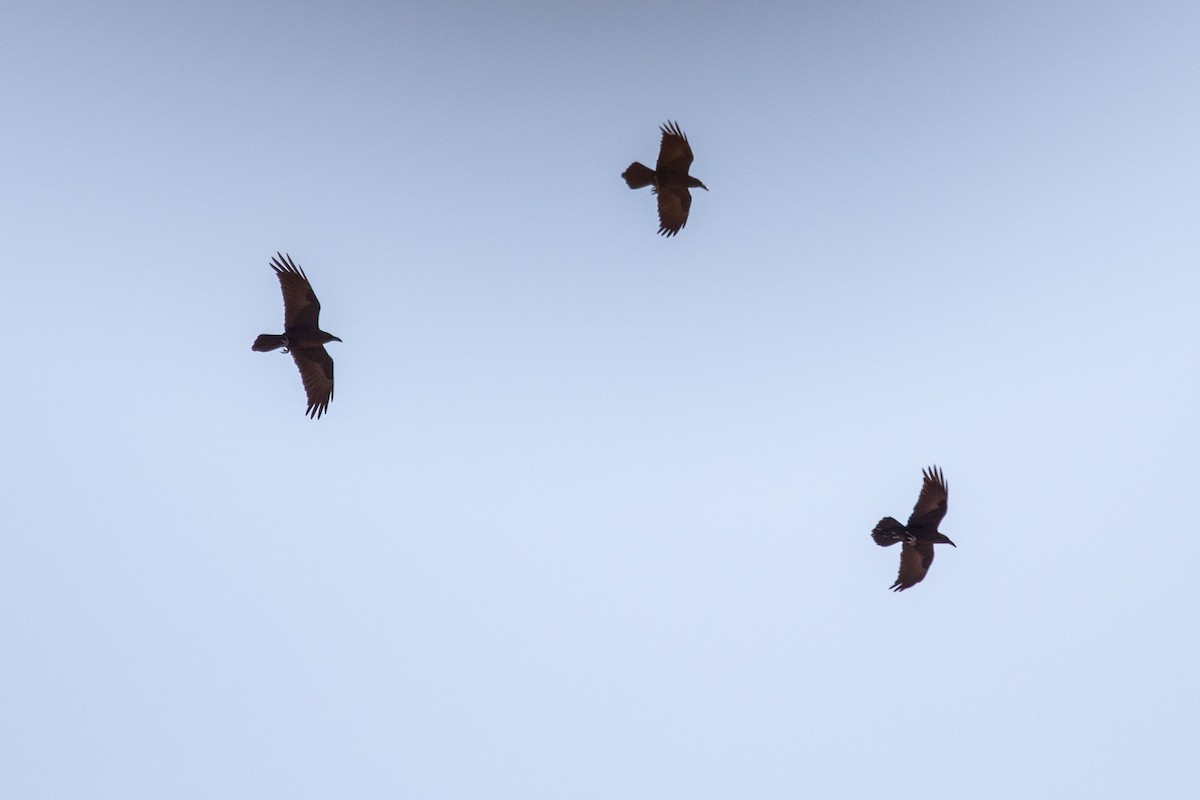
<point>302,335</point>
<point>920,534</point>
<point>669,178</point>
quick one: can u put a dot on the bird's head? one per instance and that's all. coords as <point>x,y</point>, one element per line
<point>941,538</point>
<point>695,183</point>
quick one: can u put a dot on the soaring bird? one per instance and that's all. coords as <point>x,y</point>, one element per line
<point>669,178</point>
<point>301,335</point>
<point>921,532</point>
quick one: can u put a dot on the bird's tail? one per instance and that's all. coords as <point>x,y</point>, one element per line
<point>638,175</point>
<point>888,531</point>
<point>268,342</point>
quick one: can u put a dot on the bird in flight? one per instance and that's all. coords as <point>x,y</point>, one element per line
<point>301,335</point>
<point>669,178</point>
<point>921,532</point>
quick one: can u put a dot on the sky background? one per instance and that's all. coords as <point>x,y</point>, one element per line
<point>589,514</point>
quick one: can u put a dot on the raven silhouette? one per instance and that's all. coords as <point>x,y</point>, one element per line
<point>921,532</point>
<point>669,178</point>
<point>302,336</point>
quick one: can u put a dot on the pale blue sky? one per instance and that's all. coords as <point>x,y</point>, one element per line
<point>589,515</point>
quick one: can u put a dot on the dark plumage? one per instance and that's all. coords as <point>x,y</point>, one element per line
<point>669,178</point>
<point>302,336</point>
<point>921,532</point>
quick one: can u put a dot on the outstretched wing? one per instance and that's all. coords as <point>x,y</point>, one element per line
<point>674,202</point>
<point>914,563</point>
<point>931,504</point>
<point>674,154</point>
<point>300,306</point>
<point>316,370</point>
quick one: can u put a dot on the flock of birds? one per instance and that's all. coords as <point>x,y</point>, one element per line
<point>669,181</point>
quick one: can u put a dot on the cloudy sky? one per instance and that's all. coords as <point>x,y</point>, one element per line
<point>589,514</point>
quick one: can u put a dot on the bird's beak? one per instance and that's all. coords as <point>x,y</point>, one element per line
<point>705,188</point>
<point>952,544</point>
<point>336,339</point>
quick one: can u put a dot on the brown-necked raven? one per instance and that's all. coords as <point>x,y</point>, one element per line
<point>920,534</point>
<point>669,178</point>
<point>302,336</point>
